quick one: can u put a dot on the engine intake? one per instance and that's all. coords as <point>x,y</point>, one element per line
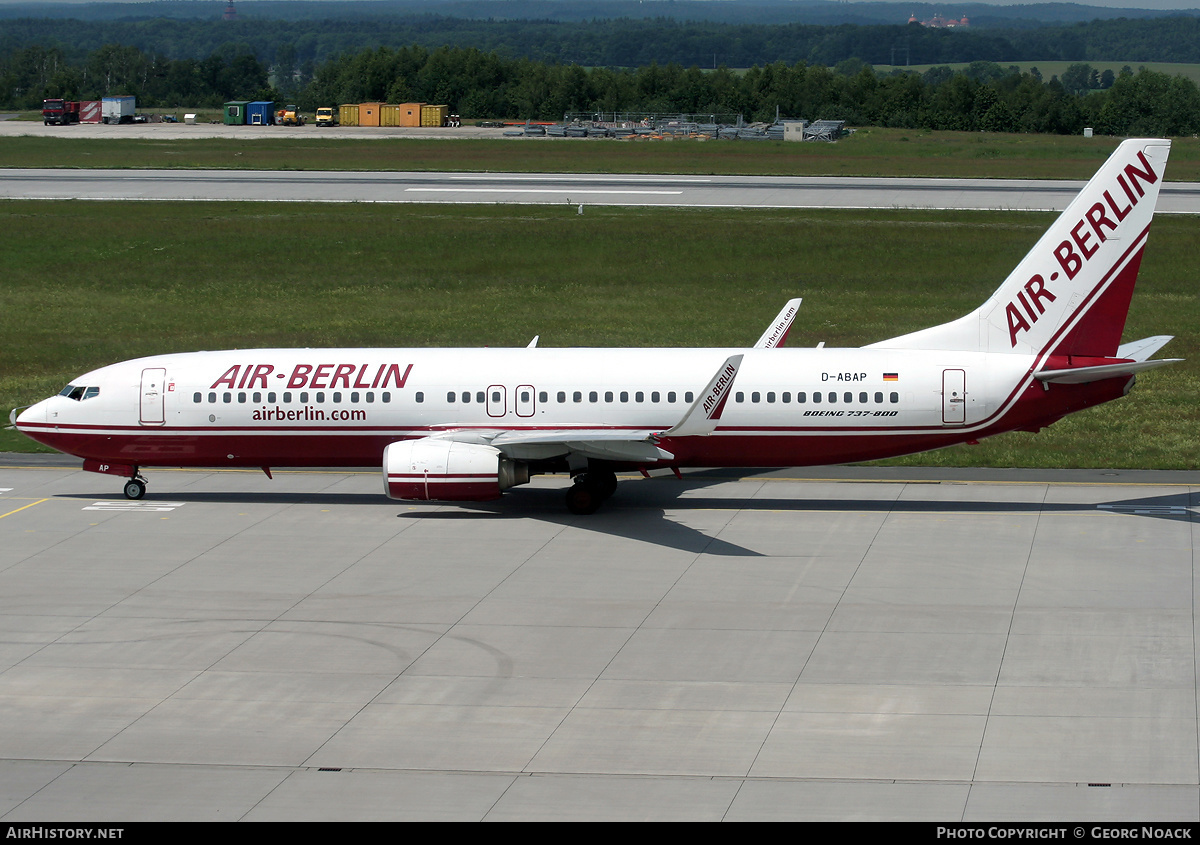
<point>432,469</point>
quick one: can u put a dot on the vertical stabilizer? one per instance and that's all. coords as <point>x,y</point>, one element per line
<point>1070,295</point>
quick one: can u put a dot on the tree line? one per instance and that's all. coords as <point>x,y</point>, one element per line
<point>623,42</point>
<point>478,84</point>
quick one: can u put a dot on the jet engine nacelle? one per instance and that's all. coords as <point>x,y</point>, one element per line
<point>446,470</point>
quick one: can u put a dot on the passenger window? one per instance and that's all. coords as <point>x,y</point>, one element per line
<point>847,398</point>
<point>755,397</point>
<point>228,397</point>
<point>817,396</point>
<point>543,397</point>
<point>480,396</point>
<point>257,398</point>
<point>303,396</point>
<point>895,397</point>
<point>212,397</point>
<point>802,397</point>
<point>739,397</point>
<point>624,395</point>
<point>386,396</point>
<point>832,396</point>
<point>242,397</point>
<point>878,398</point>
<point>770,396</point>
<point>353,397</point>
<point>450,397</point>
<point>688,397</point>
<point>655,396</point>
<point>577,396</point>
<point>671,396</point>
<point>786,397</point>
<point>593,396</point>
<point>196,397</point>
<point>370,396</point>
<point>639,397</point>
<point>608,396</point>
<point>466,397</point>
<point>562,396</point>
<point>420,397</point>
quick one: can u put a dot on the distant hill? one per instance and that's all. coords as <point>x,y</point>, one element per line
<point>817,12</point>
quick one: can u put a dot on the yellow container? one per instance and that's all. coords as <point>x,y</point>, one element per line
<point>389,115</point>
<point>348,114</point>
<point>434,115</point>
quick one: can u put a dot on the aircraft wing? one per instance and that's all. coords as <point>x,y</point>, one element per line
<point>777,333</point>
<point>609,444</point>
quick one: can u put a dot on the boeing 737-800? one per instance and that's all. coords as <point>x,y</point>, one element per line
<point>467,424</point>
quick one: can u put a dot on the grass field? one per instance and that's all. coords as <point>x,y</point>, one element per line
<point>91,283</point>
<point>868,152</point>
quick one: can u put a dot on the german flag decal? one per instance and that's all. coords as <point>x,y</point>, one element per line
<point>891,377</point>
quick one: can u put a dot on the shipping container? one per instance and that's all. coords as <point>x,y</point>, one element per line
<point>260,113</point>
<point>117,109</point>
<point>349,114</point>
<point>389,115</point>
<point>434,115</point>
<point>410,114</point>
<point>235,112</point>
<point>368,114</point>
<point>89,111</point>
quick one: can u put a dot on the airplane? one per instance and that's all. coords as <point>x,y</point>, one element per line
<point>465,425</point>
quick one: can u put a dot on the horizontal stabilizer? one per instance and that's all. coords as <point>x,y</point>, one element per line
<point>1084,375</point>
<point>1141,350</point>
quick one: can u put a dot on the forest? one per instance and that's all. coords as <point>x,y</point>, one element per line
<point>494,83</point>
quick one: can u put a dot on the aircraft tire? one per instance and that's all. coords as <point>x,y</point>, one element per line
<point>583,499</point>
<point>135,488</point>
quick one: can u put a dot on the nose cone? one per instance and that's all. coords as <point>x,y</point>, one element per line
<point>31,414</point>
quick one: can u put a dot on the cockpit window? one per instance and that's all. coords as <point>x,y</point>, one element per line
<point>79,392</point>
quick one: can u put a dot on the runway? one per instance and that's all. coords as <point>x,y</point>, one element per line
<point>569,189</point>
<point>827,643</point>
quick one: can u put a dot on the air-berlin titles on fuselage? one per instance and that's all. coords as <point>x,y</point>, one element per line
<point>316,376</point>
<point>1071,261</point>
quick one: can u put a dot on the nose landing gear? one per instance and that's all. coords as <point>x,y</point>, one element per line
<point>135,488</point>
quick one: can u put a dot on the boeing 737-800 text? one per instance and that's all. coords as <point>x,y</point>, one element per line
<point>467,424</point>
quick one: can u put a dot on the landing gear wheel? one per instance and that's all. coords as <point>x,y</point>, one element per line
<point>603,480</point>
<point>583,498</point>
<point>135,488</point>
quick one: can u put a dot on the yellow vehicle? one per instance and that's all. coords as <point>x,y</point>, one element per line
<point>290,116</point>
<point>327,116</point>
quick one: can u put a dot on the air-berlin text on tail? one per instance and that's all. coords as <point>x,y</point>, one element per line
<point>316,376</point>
<point>1073,252</point>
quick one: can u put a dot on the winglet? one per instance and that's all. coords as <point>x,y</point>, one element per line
<point>778,332</point>
<point>705,413</point>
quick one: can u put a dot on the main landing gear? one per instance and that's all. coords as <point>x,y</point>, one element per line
<point>590,489</point>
